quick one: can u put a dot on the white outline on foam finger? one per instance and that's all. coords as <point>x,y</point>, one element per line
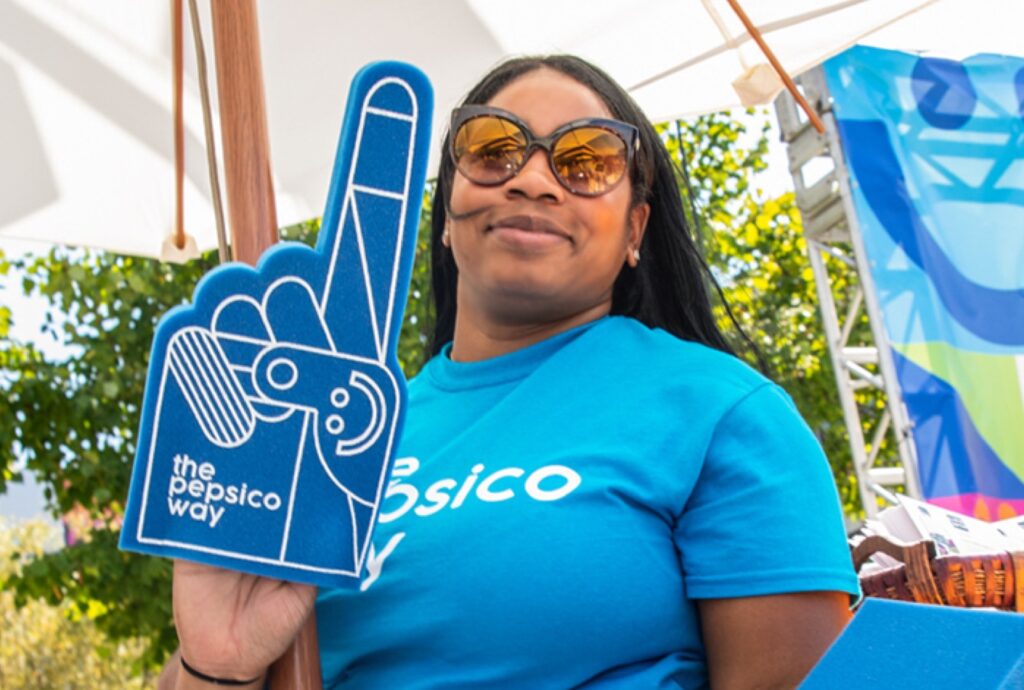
<point>357,226</point>
<point>295,485</point>
<point>378,416</point>
<point>228,386</point>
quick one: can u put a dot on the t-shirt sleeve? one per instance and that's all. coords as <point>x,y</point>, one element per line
<point>764,515</point>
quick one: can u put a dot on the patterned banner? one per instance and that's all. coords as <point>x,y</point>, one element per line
<point>935,150</point>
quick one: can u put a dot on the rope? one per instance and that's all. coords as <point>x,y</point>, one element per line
<point>211,148</point>
<point>179,125</point>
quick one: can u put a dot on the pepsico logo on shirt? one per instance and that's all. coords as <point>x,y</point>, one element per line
<point>547,483</point>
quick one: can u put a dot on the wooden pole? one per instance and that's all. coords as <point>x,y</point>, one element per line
<point>779,69</point>
<point>253,220</point>
<point>177,43</point>
<point>243,129</point>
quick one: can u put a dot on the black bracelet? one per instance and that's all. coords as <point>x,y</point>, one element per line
<point>210,679</point>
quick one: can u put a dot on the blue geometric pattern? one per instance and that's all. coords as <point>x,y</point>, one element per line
<point>885,189</point>
<point>935,152</point>
<point>961,460</point>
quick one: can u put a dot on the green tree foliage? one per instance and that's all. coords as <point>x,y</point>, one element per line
<point>72,424</point>
<point>755,247</point>
<point>72,421</point>
<point>44,646</point>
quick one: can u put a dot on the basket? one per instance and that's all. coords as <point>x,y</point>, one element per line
<point>993,580</point>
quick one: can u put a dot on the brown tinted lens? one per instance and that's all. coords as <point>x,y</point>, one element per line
<point>590,160</point>
<point>489,149</point>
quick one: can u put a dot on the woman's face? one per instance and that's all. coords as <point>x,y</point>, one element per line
<point>528,250</point>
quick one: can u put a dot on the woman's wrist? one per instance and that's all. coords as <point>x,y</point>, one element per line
<point>221,680</point>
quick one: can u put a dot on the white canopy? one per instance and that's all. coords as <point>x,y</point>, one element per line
<point>85,92</point>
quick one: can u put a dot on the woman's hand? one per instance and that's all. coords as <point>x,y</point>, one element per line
<point>234,625</point>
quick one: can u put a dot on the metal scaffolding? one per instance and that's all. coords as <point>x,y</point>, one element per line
<point>833,237</point>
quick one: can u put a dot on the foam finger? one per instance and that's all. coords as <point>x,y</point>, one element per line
<point>376,190</point>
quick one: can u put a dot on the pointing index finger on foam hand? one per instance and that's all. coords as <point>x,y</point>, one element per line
<point>371,220</point>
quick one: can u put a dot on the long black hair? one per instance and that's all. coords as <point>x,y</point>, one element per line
<point>669,287</point>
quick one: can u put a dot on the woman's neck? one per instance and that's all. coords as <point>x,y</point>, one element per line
<point>478,338</point>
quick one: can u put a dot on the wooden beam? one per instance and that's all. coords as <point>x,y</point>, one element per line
<point>755,34</point>
<point>243,129</point>
<point>253,219</point>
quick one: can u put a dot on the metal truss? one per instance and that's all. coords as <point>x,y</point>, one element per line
<point>833,238</point>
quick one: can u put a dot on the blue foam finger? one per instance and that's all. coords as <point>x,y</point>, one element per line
<point>274,402</point>
<point>350,399</point>
<point>291,310</point>
<point>377,194</point>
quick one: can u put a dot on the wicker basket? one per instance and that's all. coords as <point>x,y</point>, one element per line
<point>994,580</point>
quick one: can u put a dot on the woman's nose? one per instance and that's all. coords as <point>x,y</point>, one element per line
<point>536,179</point>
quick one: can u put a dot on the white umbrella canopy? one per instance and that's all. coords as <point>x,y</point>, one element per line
<point>86,138</point>
<point>85,95</point>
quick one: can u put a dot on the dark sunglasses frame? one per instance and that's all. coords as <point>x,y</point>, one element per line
<point>629,134</point>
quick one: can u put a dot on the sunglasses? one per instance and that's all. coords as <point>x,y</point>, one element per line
<point>489,146</point>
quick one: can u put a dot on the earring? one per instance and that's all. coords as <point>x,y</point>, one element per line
<point>636,256</point>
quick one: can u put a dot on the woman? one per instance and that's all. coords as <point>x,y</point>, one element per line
<point>591,491</point>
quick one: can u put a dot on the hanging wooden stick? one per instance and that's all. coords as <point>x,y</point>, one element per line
<point>755,33</point>
<point>179,123</point>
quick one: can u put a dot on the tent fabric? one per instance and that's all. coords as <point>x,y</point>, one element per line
<point>86,99</point>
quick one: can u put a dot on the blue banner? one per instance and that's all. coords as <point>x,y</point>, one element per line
<point>935,151</point>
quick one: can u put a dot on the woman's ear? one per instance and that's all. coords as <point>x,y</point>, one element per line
<point>638,217</point>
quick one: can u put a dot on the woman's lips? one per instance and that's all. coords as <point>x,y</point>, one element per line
<point>528,232</point>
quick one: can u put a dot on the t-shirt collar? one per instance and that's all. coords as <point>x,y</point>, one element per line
<point>512,366</point>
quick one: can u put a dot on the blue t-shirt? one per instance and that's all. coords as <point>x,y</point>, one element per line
<point>554,513</point>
